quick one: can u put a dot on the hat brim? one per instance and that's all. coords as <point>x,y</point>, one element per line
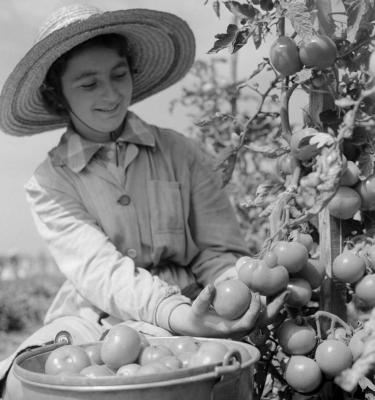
<point>162,47</point>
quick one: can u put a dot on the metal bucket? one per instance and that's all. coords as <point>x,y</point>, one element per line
<point>231,380</point>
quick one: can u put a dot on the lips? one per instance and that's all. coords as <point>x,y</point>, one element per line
<point>109,109</point>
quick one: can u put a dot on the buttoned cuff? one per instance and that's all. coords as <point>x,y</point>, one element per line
<point>165,308</point>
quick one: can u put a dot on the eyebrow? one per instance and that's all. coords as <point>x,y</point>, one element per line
<point>88,73</point>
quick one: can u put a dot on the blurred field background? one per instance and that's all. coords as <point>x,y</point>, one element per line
<point>27,287</point>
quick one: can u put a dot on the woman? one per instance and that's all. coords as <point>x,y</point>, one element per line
<point>132,213</point>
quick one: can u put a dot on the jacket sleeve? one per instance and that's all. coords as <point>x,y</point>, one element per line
<point>85,255</point>
<point>214,225</point>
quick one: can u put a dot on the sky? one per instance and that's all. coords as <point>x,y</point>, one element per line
<point>19,157</point>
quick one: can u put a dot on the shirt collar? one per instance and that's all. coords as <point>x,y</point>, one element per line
<point>76,152</point>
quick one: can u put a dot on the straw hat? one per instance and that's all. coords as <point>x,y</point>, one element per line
<point>162,48</point>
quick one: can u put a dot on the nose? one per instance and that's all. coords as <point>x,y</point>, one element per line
<point>109,92</point>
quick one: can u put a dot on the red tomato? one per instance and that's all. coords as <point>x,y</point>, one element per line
<point>348,267</point>
<point>243,260</point>
<point>284,56</point>
<point>333,356</point>
<point>296,339</point>
<point>153,368</point>
<point>366,189</point>
<point>292,255</point>
<point>351,174</point>
<point>184,344</point>
<point>153,353</point>
<point>96,371</point>
<point>266,281</point>
<point>345,203</point>
<point>185,357</point>
<point>68,358</point>
<point>305,239</point>
<point>120,346</point>
<point>319,52</point>
<point>128,369</point>
<point>172,362</point>
<point>93,351</point>
<point>208,353</point>
<point>313,272</point>
<point>303,374</point>
<point>232,298</point>
<point>286,164</point>
<point>365,290</point>
<point>300,145</point>
<point>270,258</point>
<point>300,292</point>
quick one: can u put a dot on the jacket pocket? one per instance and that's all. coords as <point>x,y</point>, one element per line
<point>165,203</point>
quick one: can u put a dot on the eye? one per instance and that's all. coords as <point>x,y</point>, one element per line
<point>88,85</point>
<point>120,75</point>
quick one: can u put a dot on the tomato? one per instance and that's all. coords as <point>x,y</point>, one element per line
<point>208,353</point>
<point>153,353</point>
<point>286,164</point>
<point>128,369</point>
<point>284,56</point>
<point>348,267</point>
<point>300,144</point>
<point>345,203</point>
<point>184,344</point>
<point>313,272</point>
<point>370,253</point>
<point>292,255</point>
<point>262,279</point>
<point>366,189</point>
<point>185,357</point>
<point>303,374</point>
<point>243,260</point>
<point>153,368</point>
<point>232,298</point>
<point>356,343</point>
<point>351,174</point>
<point>319,52</point>
<point>96,371</point>
<point>93,352</point>
<point>333,356</point>
<point>300,292</point>
<point>270,258</point>
<point>304,238</point>
<point>365,290</point>
<point>68,358</point>
<point>120,346</point>
<point>296,339</point>
<point>172,362</point>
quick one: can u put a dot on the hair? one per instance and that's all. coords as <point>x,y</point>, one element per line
<point>51,89</point>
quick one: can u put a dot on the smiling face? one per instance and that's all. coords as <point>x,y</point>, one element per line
<point>97,85</point>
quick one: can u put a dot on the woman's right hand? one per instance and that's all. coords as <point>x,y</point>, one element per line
<point>199,320</point>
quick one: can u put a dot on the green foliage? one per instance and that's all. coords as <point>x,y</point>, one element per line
<point>24,302</point>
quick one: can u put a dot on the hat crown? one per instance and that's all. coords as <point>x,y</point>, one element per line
<point>65,16</point>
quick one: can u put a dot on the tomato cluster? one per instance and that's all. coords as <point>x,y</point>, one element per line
<point>125,352</point>
<point>318,52</point>
<point>314,357</point>
<point>287,265</point>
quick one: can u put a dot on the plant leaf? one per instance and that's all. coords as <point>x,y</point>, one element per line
<point>241,10</point>
<point>326,22</point>
<point>366,161</point>
<point>216,8</point>
<point>240,39</point>
<point>359,12</point>
<point>226,164</point>
<point>345,102</point>
<point>224,40</point>
<point>321,139</point>
<point>300,17</point>
<point>268,151</point>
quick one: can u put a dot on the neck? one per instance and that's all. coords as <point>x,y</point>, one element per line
<point>95,135</point>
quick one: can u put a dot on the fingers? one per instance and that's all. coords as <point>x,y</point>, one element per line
<point>202,303</point>
<point>271,312</point>
<point>253,311</point>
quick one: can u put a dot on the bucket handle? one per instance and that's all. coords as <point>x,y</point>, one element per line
<point>231,363</point>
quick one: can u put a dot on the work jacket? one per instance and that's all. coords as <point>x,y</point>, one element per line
<point>129,234</point>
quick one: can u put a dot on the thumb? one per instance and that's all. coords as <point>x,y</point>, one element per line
<point>271,312</point>
<point>202,303</point>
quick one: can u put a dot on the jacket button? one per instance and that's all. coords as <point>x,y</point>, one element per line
<point>124,200</point>
<point>132,253</point>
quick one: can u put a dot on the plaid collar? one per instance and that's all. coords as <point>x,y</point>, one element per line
<point>76,152</point>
